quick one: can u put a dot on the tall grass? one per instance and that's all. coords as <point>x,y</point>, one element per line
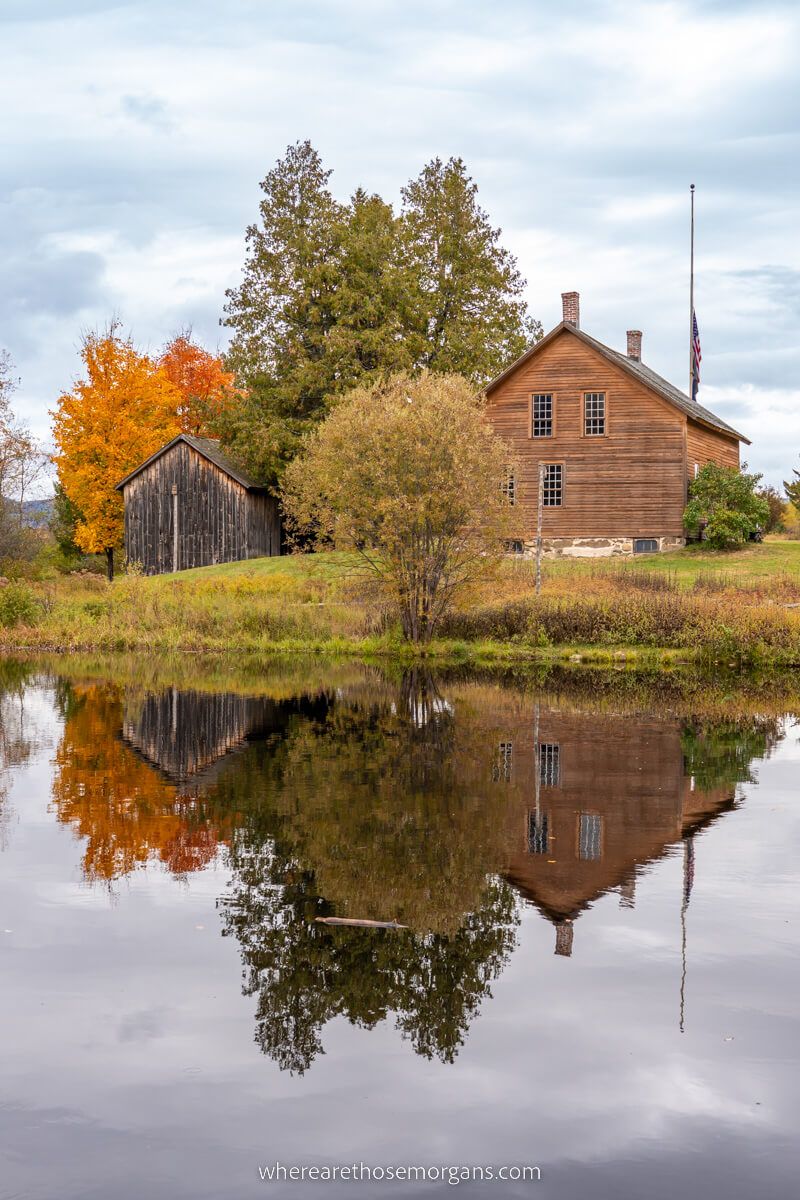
<point>716,630</point>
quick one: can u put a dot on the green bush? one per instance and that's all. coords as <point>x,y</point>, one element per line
<point>18,606</point>
<point>724,507</point>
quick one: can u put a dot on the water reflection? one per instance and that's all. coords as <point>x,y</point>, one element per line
<point>441,806</point>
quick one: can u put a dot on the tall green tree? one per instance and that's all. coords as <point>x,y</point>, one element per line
<point>792,487</point>
<point>283,312</point>
<point>468,314</point>
<point>333,296</point>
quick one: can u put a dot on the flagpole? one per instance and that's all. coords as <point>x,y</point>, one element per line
<point>691,300</point>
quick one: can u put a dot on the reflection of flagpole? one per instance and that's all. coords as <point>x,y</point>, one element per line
<point>537,777</point>
<point>691,301</point>
<point>688,879</point>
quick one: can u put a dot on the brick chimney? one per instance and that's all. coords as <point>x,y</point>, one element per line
<point>571,304</point>
<point>635,344</point>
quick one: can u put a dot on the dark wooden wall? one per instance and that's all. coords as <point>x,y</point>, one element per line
<point>630,483</point>
<point>184,733</point>
<point>219,520</point>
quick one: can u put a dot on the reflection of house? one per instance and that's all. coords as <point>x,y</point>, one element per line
<point>185,734</point>
<point>603,796</point>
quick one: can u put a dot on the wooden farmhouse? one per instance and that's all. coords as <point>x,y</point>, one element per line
<point>188,506</point>
<point>618,444</point>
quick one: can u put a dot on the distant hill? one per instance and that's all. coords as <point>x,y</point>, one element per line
<point>38,512</point>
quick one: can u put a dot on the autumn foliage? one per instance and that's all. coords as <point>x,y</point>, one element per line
<point>124,409</point>
<point>204,385</point>
<point>126,812</point>
<point>112,420</point>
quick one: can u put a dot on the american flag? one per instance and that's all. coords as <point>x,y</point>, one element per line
<point>696,356</point>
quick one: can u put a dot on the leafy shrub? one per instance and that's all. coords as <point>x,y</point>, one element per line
<point>724,507</point>
<point>18,606</point>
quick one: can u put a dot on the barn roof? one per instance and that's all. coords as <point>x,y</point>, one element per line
<point>211,450</point>
<point>645,375</point>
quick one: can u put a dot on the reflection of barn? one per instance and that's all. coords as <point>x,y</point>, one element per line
<point>603,797</point>
<point>186,734</point>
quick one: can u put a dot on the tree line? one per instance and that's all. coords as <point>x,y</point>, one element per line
<point>354,300</point>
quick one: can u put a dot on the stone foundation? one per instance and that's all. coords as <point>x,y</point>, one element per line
<point>595,547</point>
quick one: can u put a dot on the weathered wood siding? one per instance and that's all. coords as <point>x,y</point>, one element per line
<point>629,483</point>
<point>705,446</point>
<point>219,520</point>
<point>185,733</point>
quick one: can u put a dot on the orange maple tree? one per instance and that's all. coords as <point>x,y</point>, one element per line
<point>111,421</point>
<point>205,386</point>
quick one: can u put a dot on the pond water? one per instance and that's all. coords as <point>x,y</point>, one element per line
<point>596,974</point>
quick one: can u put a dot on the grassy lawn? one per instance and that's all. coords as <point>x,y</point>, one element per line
<point>755,565</point>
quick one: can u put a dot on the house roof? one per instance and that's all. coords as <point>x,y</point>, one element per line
<point>210,449</point>
<point>662,387</point>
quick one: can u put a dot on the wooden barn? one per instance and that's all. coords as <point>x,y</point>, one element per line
<point>188,506</point>
<point>618,443</point>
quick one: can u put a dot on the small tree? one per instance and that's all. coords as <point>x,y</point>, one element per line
<point>22,465</point>
<point>792,487</point>
<point>723,504</point>
<point>409,474</point>
<point>777,508</point>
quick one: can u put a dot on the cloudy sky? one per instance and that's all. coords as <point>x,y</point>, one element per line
<point>135,132</point>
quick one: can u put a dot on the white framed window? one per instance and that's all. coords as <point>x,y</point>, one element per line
<point>542,414</point>
<point>549,754</point>
<point>590,836</point>
<point>538,833</point>
<point>553,489</point>
<point>508,488</point>
<point>594,414</point>
<point>503,763</point>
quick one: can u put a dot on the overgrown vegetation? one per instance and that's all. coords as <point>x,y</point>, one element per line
<point>682,610</point>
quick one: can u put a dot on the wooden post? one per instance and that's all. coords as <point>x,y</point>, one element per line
<point>174,526</point>
<point>539,508</point>
<point>110,564</point>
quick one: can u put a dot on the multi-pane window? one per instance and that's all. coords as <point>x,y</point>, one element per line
<point>515,546</point>
<point>549,764</point>
<point>594,414</point>
<point>553,486</point>
<point>590,836</point>
<point>537,833</point>
<point>504,759</point>
<point>542,415</point>
<point>508,488</point>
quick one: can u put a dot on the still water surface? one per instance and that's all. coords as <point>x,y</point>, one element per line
<point>598,974</point>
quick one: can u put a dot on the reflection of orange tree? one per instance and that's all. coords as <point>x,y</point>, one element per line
<point>127,812</point>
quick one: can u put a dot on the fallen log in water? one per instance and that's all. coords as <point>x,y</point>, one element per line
<point>363,923</point>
